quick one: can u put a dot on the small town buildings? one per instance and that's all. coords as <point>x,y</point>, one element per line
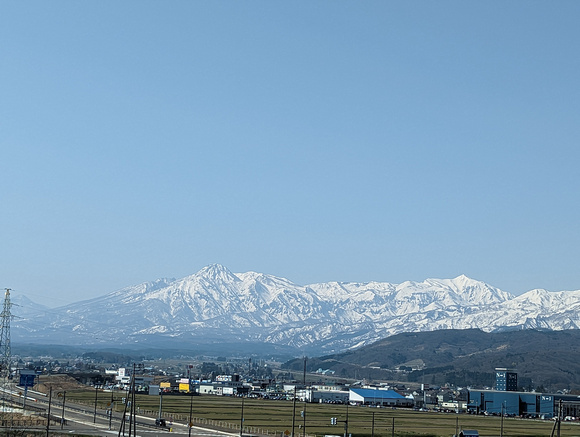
<point>209,388</point>
<point>123,379</point>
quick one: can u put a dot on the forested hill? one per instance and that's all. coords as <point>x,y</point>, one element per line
<point>545,360</point>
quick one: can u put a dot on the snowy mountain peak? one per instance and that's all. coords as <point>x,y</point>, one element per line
<point>472,290</point>
<point>216,273</point>
<point>462,279</point>
<point>538,292</point>
<point>217,306</point>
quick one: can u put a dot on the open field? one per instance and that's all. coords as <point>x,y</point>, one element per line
<point>275,417</point>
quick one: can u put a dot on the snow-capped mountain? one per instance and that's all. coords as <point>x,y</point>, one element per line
<point>217,306</point>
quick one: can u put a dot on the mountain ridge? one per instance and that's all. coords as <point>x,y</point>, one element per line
<point>461,357</point>
<point>216,305</point>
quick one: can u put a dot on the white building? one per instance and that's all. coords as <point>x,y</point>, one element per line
<point>391,398</point>
<point>326,396</point>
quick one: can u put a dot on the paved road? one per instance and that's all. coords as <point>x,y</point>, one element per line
<point>83,423</point>
<point>79,420</point>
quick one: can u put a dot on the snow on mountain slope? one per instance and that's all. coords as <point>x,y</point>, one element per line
<point>216,305</point>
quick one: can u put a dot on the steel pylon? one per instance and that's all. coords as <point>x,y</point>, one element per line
<point>5,351</point>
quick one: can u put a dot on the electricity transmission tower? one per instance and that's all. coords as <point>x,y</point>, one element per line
<point>5,352</point>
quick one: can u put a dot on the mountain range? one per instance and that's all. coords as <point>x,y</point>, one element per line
<point>226,312</point>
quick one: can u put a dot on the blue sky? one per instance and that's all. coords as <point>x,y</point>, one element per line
<point>318,141</point>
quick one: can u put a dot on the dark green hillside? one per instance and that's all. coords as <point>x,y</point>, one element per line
<point>543,359</point>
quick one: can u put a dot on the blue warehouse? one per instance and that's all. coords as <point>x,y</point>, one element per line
<point>514,403</point>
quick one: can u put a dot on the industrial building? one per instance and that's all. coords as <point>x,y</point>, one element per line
<point>514,403</point>
<point>506,400</point>
<point>505,379</point>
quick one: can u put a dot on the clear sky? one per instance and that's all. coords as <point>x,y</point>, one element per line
<point>314,140</point>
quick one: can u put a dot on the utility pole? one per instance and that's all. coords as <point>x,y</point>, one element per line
<point>191,414</point>
<point>304,412</point>
<point>63,401</point>
<point>112,404</point>
<point>96,399</point>
<point>48,411</point>
<point>346,420</point>
<point>556,427</point>
<point>130,399</point>
<point>160,404</point>
<point>133,421</point>
<point>242,418</point>
<point>293,412</point>
<point>559,416</point>
<point>122,427</point>
<point>502,414</point>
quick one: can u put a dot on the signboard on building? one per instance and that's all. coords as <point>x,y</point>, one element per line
<point>27,379</point>
<point>228,391</point>
<point>154,390</point>
<point>224,378</point>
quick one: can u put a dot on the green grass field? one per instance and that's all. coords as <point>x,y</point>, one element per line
<point>275,417</point>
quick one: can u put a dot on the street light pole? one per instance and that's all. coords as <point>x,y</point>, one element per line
<point>160,404</point>
<point>293,412</point>
<point>63,401</point>
<point>48,413</point>
<point>502,414</point>
<point>305,393</point>
<point>111,409</point>
<point>96,398</point>
<point>190,414</point>
<point>346,421</point>
<point>134,404</point>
